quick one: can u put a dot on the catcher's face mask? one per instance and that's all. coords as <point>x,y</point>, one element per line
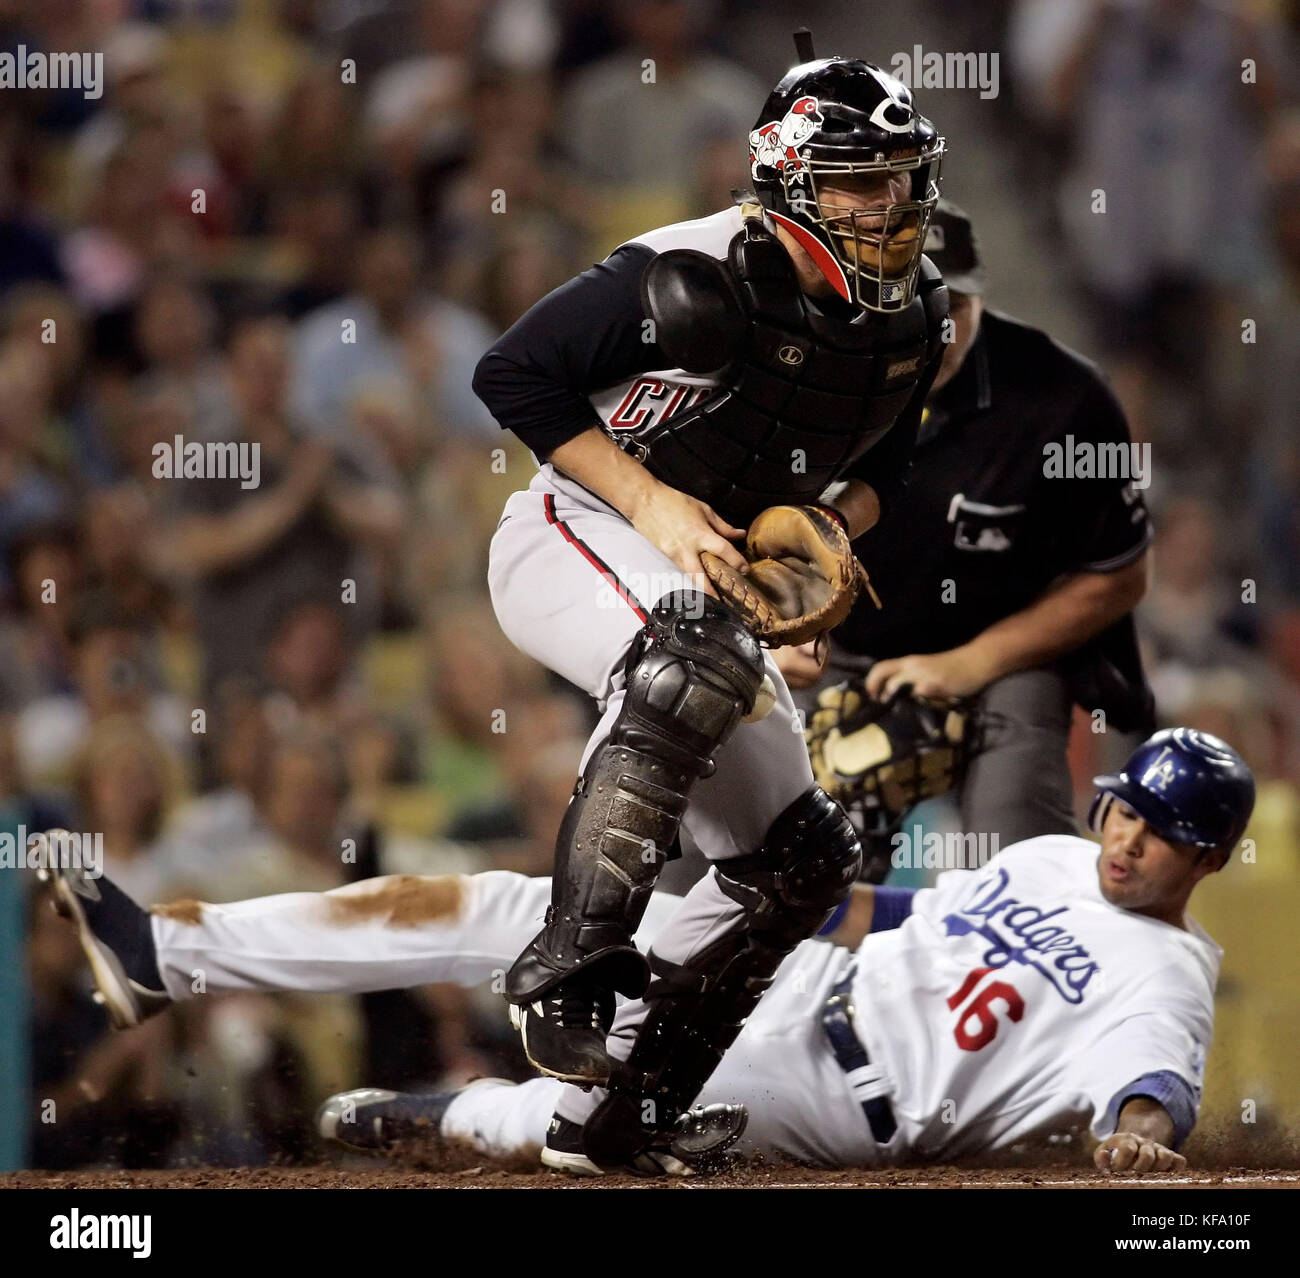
<point>874,218</point>
<point>844,127</point>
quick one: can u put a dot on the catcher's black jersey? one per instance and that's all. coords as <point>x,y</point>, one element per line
<point>1001,502</point>
<point>585,356</point>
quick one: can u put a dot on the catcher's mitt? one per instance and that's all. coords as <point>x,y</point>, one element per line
<point>880,758</point>
<point>803,576</point>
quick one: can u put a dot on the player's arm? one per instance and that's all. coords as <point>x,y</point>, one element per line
<point>868,909</point>
<point>680,525</point>
<point>860,505</point>
<point>1142,1141</point>
<point>590,333</point>
<point>586,334</point>
<point>1143,1073</point>
<point>1102,534</point>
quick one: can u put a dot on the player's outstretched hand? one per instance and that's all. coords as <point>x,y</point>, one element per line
<point>1136,1155</point>
<point>682,527</point>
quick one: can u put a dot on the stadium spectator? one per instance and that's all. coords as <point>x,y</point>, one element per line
<point>1158,270</point>
<point>390,325</point>
<point>125,783</point>
<point>43,571</point>
<point>635,119</point>
<point>115,671</point>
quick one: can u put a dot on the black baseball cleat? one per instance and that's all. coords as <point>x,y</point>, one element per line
<point>375,1120</point>
<point>117,939</point>
<point>563,1152</point>
<point>564,1032</point>
<point>699,1145</point>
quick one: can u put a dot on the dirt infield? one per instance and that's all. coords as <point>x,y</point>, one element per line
<point>485,1177</point>
<point>1221,1156</point>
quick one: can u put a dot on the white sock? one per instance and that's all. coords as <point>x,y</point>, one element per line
<point>502,1120</point>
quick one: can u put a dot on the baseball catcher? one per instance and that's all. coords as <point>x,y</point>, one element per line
<point>709,382</point>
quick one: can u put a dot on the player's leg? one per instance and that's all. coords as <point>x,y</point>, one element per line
<point>677,680</point>
<point>490,1116</point>
<point>692,674</point>
<point>383,933</point>
<point>1018,785</point>
<point>501,1120</point>
<point>780,1068</point>
<point>392,932</point>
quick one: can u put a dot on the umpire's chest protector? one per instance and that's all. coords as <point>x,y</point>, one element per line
<point>801,395</point>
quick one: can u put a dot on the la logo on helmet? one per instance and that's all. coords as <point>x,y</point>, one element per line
<point>1161,772</point>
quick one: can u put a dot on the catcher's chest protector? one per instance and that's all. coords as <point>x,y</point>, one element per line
<point>803,394</point>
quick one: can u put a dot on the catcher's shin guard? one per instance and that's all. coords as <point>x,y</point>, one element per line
<point>805,868</point>
<point>692,675</point>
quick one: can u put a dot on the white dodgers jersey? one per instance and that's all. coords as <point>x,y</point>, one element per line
<point>1016,1001</point>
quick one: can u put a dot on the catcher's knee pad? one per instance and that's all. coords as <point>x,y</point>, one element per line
<point>807,865</point>
<point>692,675</point>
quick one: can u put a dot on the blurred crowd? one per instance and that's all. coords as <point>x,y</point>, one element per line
<point>298,223</point>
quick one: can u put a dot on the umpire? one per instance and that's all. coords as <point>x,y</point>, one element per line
<point>1002,579</point>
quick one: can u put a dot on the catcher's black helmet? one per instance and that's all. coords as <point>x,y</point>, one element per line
<point>843,117</point>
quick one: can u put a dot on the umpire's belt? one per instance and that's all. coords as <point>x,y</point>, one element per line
<point>868,1083</point>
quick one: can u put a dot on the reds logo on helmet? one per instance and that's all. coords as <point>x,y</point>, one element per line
<point>895,114</point>
<point>776,144</point>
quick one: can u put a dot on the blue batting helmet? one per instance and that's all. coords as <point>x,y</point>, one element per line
<point>1188,786</point>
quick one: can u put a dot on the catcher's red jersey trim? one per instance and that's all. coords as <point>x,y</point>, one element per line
<point>610,576</point>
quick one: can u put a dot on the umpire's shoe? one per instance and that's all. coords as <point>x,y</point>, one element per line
<point>117,939</point>
<point>376,1121</point>
<point>699,1144</point>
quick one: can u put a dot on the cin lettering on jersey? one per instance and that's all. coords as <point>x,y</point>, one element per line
<point>649,400</point>
<point>1021,933</point>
